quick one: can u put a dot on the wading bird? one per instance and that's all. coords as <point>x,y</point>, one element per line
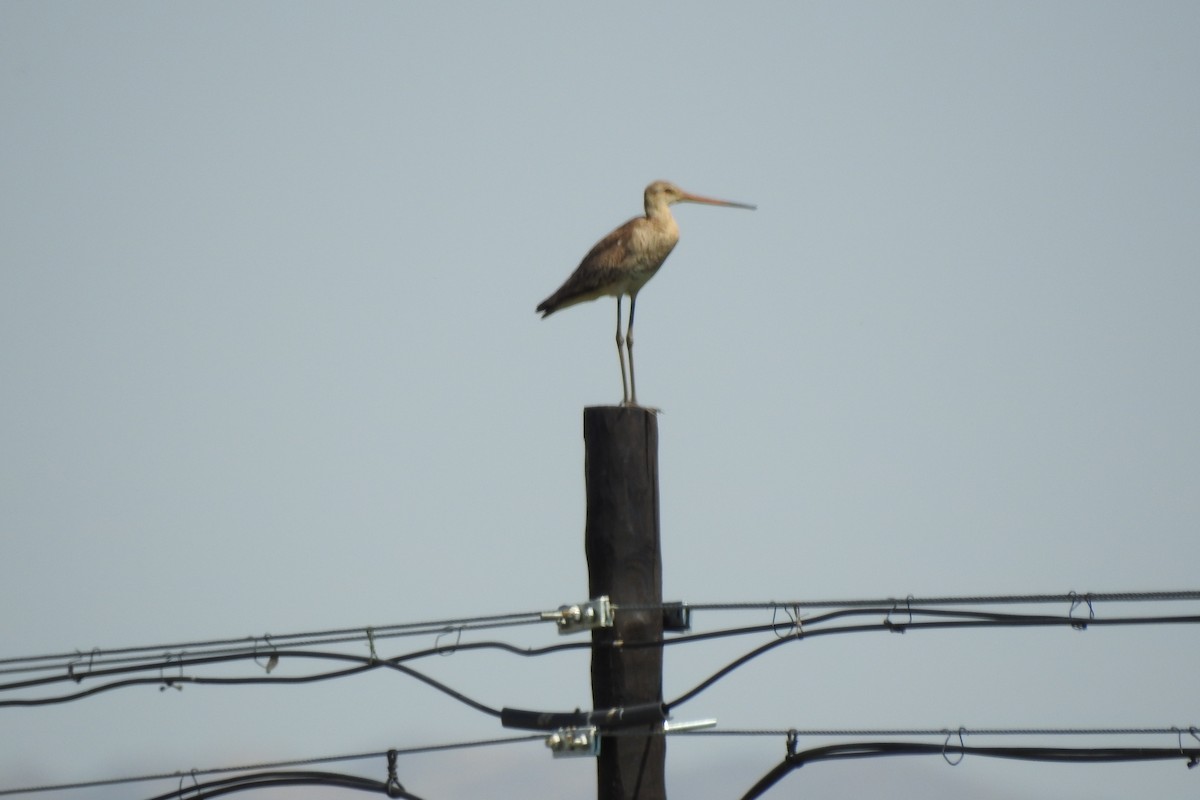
<point>622,262</point>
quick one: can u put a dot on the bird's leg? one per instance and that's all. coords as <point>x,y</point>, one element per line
<point>629,347</point>
<point>621,355</point>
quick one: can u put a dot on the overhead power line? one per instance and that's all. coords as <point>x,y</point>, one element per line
<point>858,750</point>
<point>906,620</point>
<point>272,780</point>
<point>264,774</point>
<point>266,643</point>
<point>858,733</point>
<point>174,679</point>
<point>262,646</point>
<point>271,765</point>
<point>1074,599</point>
<point>170,667</point>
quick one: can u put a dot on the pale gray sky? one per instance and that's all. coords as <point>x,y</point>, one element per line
<point>270,362</point>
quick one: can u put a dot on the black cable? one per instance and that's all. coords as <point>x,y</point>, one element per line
<point>166,681</point>
<point>1093,755</point>
<point>798,629</point>
<point>176,662</point>
<point>859,733</point>
<point>263,645</point>
<point>193,774</point>
<point>266,780</point>
<point>721,673</point>
<point>803,629</point>
<point>182,661</point>
<point>1076,599</point>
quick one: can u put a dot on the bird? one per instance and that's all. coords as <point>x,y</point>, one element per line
<point>623,261</point>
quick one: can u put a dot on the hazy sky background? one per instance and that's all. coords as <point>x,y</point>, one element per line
<point>269,362</point>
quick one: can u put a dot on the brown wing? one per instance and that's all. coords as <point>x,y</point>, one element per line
<point>601,272</point>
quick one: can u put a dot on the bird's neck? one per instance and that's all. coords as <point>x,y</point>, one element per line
<point>658,211</point>
<point>660,219</point>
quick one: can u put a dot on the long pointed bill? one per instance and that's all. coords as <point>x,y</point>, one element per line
<point>687,197</point>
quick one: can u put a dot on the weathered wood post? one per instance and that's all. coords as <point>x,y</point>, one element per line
<point>624,562</point>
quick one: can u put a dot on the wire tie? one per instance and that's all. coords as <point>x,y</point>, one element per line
<point>1075,603</point>
<point>273,660</point>
<point>795,622</point>
<point>371,643</point>
<point>79,657</point>
<point>169,683</point>
<point>896,627</point>
<point>1192,760</point>
<point>195,783</point>
<point>775,621</point>
<point>446,632</point>
<point>394,788</point>
<point>961,755</point>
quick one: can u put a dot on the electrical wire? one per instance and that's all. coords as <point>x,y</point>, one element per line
<point>898,617</point>
<point>171,667</point>
<point>1073,598</point>
<point>181,660</point>
<point>268,780</point>
<point>176,663</point>
<point>112,662</point>
<point>804,629</point>
<point>171,681</point>
<point>263,645</point>
<point>809,755</point>
<point>274,765</point>
<point>831,733</point>
<point>1091,755</point>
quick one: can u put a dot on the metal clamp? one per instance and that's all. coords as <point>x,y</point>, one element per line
<point>566,742</point>
<point>597,613</point>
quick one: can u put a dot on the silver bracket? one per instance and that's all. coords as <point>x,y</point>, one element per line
<point>678,727</point>
<point>597,613</point>
<point>566,742</point>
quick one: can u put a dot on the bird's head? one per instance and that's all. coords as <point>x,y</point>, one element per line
<point>661,194</point>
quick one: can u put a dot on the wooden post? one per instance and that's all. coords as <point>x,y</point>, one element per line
<point>625,563</point>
